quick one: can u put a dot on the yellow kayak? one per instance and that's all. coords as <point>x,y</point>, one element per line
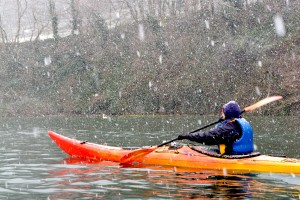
<point>183,156</point>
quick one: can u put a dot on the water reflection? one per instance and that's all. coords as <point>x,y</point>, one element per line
<point>106,179</point>
<point>33,167</point>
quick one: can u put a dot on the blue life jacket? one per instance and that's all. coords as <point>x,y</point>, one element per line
<point>245,143</point>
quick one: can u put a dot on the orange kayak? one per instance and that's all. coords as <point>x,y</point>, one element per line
<point>183,156</point>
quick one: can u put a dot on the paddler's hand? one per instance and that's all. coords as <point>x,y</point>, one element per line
<point>182,136</point>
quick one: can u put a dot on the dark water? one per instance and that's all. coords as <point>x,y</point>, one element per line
<point>32,167</point>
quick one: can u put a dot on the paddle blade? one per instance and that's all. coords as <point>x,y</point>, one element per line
<point>262,103</point>
<point>136,154</point>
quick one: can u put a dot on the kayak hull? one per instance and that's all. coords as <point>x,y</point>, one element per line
<point>182,157</point>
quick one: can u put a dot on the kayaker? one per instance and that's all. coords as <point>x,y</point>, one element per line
<point>233,136</point>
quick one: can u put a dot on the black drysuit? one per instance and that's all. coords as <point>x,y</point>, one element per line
<point>226,134</point>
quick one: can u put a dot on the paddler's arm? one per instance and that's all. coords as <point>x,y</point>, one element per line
<point>226,134</point>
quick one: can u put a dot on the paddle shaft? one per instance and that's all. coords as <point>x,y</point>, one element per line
<point>199,129</point>
<point>143,152</point>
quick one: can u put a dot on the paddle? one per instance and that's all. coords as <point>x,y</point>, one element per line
<point>134,155</point>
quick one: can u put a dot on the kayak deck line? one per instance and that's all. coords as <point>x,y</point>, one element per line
<point>183,156</point>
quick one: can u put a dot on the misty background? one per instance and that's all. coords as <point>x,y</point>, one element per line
<point>147,56</point>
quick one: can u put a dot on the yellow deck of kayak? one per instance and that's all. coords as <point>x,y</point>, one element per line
<point>181,157</point>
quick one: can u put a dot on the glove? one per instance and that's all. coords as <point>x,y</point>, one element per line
<point>182,136</point>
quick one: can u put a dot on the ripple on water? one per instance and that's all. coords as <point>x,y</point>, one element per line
<point>33,167</point>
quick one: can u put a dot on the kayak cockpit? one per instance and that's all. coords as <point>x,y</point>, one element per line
<point>214,153</point>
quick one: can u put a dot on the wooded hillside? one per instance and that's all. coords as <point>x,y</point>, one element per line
<point>188,59</point>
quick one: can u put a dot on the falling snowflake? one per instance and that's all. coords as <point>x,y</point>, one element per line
<point>279,25</point>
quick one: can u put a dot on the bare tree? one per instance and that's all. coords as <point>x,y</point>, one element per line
<point>3,32</point>
<point>74,14</point>
<point>20,13</point>
<point>133,10</point>
<point>54,19</point>
<point>36,27</point>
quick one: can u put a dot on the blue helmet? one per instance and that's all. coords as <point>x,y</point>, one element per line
<point>232,110</point>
